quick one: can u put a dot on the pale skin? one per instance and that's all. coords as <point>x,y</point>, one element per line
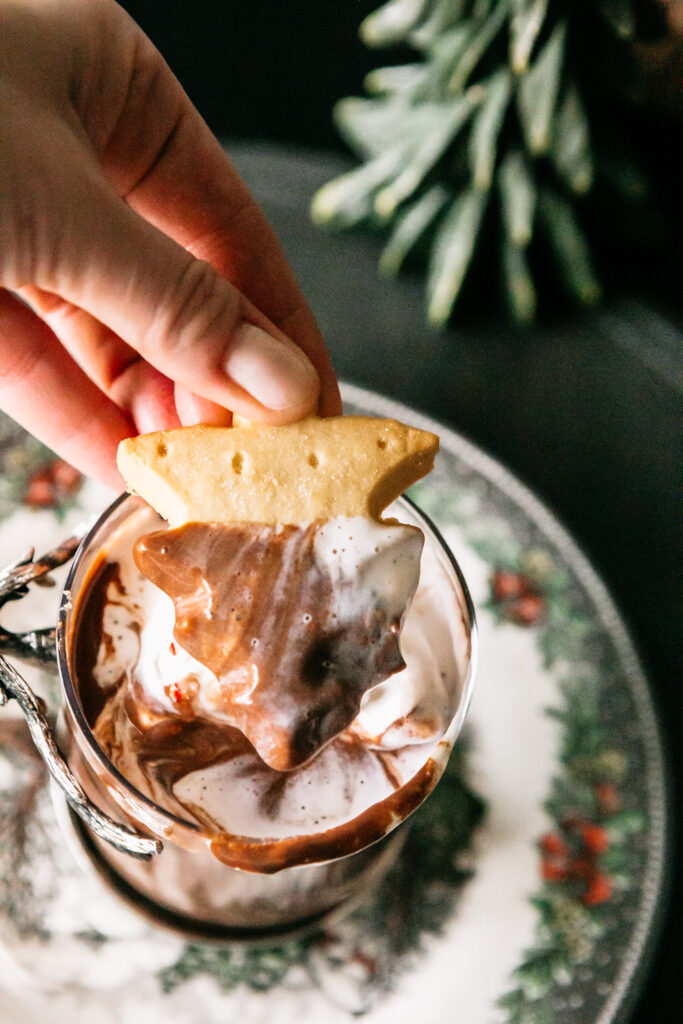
<point>140,285</point>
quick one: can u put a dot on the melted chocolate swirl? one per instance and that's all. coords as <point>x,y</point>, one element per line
<point>256,606</point>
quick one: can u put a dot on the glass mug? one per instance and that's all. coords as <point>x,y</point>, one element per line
<point>182,884</point>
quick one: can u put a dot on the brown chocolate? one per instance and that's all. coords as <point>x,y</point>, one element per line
<point>270,856</point>
<point>166,746</point>
<point>104,577</point>
<point>253,605</point>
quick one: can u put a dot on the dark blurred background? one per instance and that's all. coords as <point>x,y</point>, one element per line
<point>585,409</point>
<point>262,68</point>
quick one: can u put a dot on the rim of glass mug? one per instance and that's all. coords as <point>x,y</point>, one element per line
<point>164,823</point>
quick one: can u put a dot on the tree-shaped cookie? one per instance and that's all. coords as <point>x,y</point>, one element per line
<point>286,582</point>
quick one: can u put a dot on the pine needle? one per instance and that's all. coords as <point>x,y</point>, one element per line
<point>526,23</point>
<point>570,247</point>
<point>570,150</point>
<point>518,282</point>
<point>480,41</point>
<point>401,80</point>
<point>486,126</point>
<point>452,254</point>
<point>517,198</point>
<point>346,200</point>
<point>443,14</point>
<point>410,228</point>
<point>537,93</point>
<point>388,25</point>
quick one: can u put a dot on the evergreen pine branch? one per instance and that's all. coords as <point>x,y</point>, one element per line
<point>494,97</point>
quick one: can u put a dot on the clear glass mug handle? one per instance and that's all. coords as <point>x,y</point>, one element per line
<point>39,646</point>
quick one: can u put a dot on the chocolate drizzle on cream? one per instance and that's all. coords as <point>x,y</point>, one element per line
<point>105,586</point>
<point>260,608</point>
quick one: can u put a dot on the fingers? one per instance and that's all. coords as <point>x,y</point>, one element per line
<point>136,387</point>
<point>192,409</point>
<point>162,157</point>
<point>194,195</point>
<point>151,400</point>
<point>174,310</point>
<point>148,397</point>
<point>142,308</point>
<point>47,393</point>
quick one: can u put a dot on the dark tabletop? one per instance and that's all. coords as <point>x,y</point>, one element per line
<point>586,410</point>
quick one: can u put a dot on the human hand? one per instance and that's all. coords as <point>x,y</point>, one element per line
<point>155,294</point>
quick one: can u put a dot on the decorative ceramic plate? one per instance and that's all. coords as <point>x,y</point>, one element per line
<point>527,889</point>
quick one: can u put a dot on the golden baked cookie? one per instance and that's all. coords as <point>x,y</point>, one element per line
<point>292,474</point>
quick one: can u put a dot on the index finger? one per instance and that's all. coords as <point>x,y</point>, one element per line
<point>162,157</point>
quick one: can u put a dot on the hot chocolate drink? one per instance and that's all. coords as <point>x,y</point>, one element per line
<point>270,680</point>
<point>302,769</point>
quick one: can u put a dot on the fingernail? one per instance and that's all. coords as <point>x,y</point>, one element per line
<point>276,374</point>
<point>193,409</point>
